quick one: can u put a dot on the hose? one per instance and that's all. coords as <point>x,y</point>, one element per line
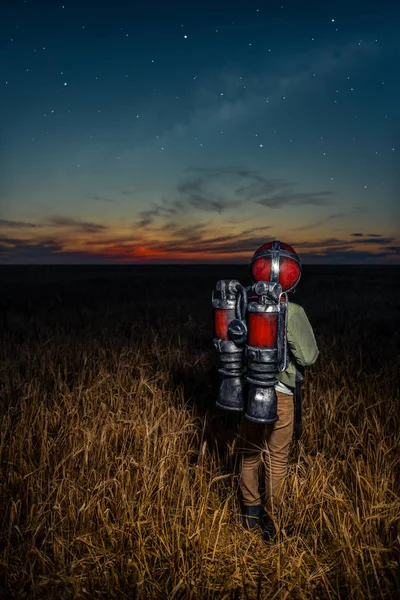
<point>241,303</point>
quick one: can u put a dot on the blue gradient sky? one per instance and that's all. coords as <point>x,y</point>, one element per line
<point>174,132</point>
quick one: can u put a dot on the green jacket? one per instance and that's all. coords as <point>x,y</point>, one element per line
<point>302,346</point>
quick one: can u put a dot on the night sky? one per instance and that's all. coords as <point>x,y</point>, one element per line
<point>171,132</point>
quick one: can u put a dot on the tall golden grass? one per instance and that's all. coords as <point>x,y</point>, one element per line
<point>119,479</point>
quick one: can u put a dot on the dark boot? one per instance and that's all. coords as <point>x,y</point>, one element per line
<point>252,516</point>
<point>269,532</point>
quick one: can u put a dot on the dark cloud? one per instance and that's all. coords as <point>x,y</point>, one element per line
<point>297,199</point>
<point>180,231</point>
<point>188,242</point>
<point>324,243</point>
<point>254,229</point>
<point>147,217</point>
<point>322,222</point>
<point>374,240</point>
<point>195,195</point>
<point>333,256</point>
<point>251,183</point>
<point>112,240</point>
<point>239,242</point>
<point>357,234</point>
<point>81,226</point>
<point>17,224</point>
<point>165,209</point>
<point>45,253</point>
<point>231,181</point>
<point>170,226</point>
<point>191,233</point>
<point>48,250</point>
<point>5,239</point>
<point>374,234</point>
<point>260,187</point>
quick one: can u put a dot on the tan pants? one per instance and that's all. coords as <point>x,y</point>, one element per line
<point>271,444</point>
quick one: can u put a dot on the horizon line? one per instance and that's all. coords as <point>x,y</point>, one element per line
<point>184,264</point>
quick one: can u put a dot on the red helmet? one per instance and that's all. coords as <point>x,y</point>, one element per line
<point>277,262</point>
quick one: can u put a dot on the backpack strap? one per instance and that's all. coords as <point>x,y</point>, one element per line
<point>298,397</point>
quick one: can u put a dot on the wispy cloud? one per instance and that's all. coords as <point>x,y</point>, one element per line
<point>76,224</point>
<point>17,224</point>
<point>194,243</point>
<point>194,194</point>
<point>320,222</point>
<point>46,251</point>
<point>165,209</point>
<point>224,189</point>
<point>322,244</point>
<point>375,240</point>
<point>356,210</point>
<point>191,233</point>
<point>296,199</point>
<point>348,256</point>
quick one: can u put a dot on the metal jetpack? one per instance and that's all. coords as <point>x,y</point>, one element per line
<point>275,269</point>
<point>266,350</point>
<point>229,301</point>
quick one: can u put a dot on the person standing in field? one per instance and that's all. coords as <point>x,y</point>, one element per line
<point>272,442</point>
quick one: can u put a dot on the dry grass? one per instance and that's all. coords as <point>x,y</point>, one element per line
<point>119,479</point>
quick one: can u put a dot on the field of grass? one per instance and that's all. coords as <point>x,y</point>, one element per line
<point>119,478</point>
